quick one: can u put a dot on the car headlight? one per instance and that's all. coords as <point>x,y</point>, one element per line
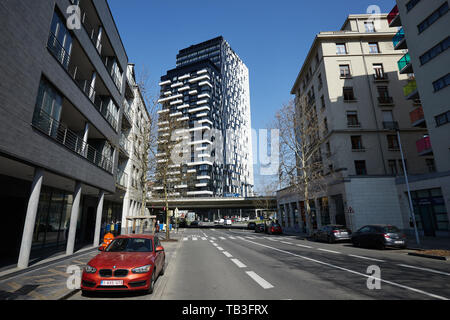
<point>89,269</point>
<point>143,269</point>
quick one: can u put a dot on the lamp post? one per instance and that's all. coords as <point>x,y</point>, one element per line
<point>411,208</point>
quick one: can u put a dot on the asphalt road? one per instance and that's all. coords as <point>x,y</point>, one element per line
<point>222,264</point>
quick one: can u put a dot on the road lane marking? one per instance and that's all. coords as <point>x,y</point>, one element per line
<point>220,248</point>
<point>286,242</point>
<point>213,238</point>
<point>331,251</point>
<point>263,283</point>
<point>238,263</point>
<point>185,239</point>
<point>194,238</point>
<point>304,246</point>
<point>222,238</point>
<point>232,238</point>
<point>366,258</point>
<point>354,272</point>
<point>227,254</point>
<point>203,238</point>
<point>215,244</point>
<point>424,269</point>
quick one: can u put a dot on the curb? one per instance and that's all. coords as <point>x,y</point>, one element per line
<point>70,294</point>
<point>427,256</point>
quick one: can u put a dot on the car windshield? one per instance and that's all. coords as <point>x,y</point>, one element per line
<point>130,245</point>
<point>391,229</point>
<point>338,227</point>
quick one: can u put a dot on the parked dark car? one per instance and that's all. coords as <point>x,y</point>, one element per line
<point>379,236</point>
<point>260,227</point>
<point>251,226</point>
<point>332,233</point>
<point>274,228</point>
<point>194,224</point>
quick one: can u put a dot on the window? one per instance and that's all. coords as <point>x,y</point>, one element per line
<point>435,51</point>
<point>392,142</point>
<point>356,143</point>
<point>379,71</point>
<point>442,119</point>
<point>349,94</point>
<point>341,48</point>
<point>369,26</point>
<point>345,71</point>
<point>431,165</point>
<point>441,83</point>
<point>352,119</point>
<point>392,166</point>
<point>411,4</point>
<point>360,167</point>
<point>384,97</point>
<point>433,18</point>
<point>373,47</point>
<point>60,40</point>
<point>320,81</point>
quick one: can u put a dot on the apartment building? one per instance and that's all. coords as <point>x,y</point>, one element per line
<point>423,36</point>
<point>351,79</point>
<point>207,96</point>
<point>63,83</point>
<point>131,169</point>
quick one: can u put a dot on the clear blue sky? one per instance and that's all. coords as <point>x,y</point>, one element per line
<point>271,37</point>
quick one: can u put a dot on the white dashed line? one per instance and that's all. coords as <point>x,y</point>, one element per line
<point>238,263</point>
<point>304,246</point>
<point>366,258</point>
<point>194,239</point>
<point>232,238</point>
<point>220,248</point>
<point>425,269</point>
<point>213,238</point>
<point>331,251</point>
<point>203,238</point>
<point>286,242</point>
<point>263,283</point>
<point>222,238</point>
<point>185,239</point>
<point>227,254</point>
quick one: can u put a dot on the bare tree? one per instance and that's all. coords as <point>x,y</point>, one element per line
<point>301,165</point>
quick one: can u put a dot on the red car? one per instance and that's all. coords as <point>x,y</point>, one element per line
<point>274,228</point>
<point>129,263</point>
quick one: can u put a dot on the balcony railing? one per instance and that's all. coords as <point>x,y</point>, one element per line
<point>390,125</point>
<point>124,143</point>
<point>385,100</point>
<point>398,38</point>
<point>424,146</point>
<point>393,14</point>
<point>404,64</point>
<point>60,133</point>
<point>417,117</point>
<point>410,89</point>
<point>128,111</point>
<point>122,178</point>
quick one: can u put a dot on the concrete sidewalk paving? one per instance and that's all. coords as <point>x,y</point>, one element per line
<point>52,279</point>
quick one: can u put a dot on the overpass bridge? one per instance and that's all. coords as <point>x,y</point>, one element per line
<point>213,208</point>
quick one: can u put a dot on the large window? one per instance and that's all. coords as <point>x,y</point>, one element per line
<point>344,71</point>
<point>442,83</point>
<point>48,108</point>
<point>373,47</point>
<point>341,48</point>
<point>442,119</point>
<point>430,211</point>
<point>60,40</point>
<point>360,167</point>
<point>435,51</point>
<point>433,17</point>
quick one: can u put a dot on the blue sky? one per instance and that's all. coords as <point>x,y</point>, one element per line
<point>271,37</point>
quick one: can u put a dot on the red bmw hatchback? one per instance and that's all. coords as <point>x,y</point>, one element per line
<point>129,263</point>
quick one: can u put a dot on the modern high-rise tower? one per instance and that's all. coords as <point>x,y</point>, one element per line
<point>208,96</point>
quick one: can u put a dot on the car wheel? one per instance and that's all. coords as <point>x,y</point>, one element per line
<point>356,243</point>
<point>381,246</point>
<point>151,288</point>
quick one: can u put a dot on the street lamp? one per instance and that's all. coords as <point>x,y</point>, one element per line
<point>411,208</point>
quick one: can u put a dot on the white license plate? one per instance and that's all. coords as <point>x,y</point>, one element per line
<point>344,233</point>
<point>111,283</point>
<point>398,242</point>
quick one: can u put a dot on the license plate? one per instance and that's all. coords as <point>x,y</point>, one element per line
<point>398,242</point>
<point>344,233</point>
<point>111,282</point>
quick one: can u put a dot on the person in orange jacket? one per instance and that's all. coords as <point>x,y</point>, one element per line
<point>109,237</point>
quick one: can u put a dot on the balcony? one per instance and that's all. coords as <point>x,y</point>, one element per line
<point>418,118</point>
<point>380,77</point>
<point>410,90</point>
<point>424,146</point>
<point>404,64</point>
<point>385,101</point>
<point>390,125</point>
<point>394,18</point>
<point>124,144</point>
<point>121,178</point>
<point>63,135</point>
<point>399,40</point>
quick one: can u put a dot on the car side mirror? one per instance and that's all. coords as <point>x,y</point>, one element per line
<point>101,248</point>
<point>159,248</point>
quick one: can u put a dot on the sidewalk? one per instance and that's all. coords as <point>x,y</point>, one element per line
<point>49,279</point>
